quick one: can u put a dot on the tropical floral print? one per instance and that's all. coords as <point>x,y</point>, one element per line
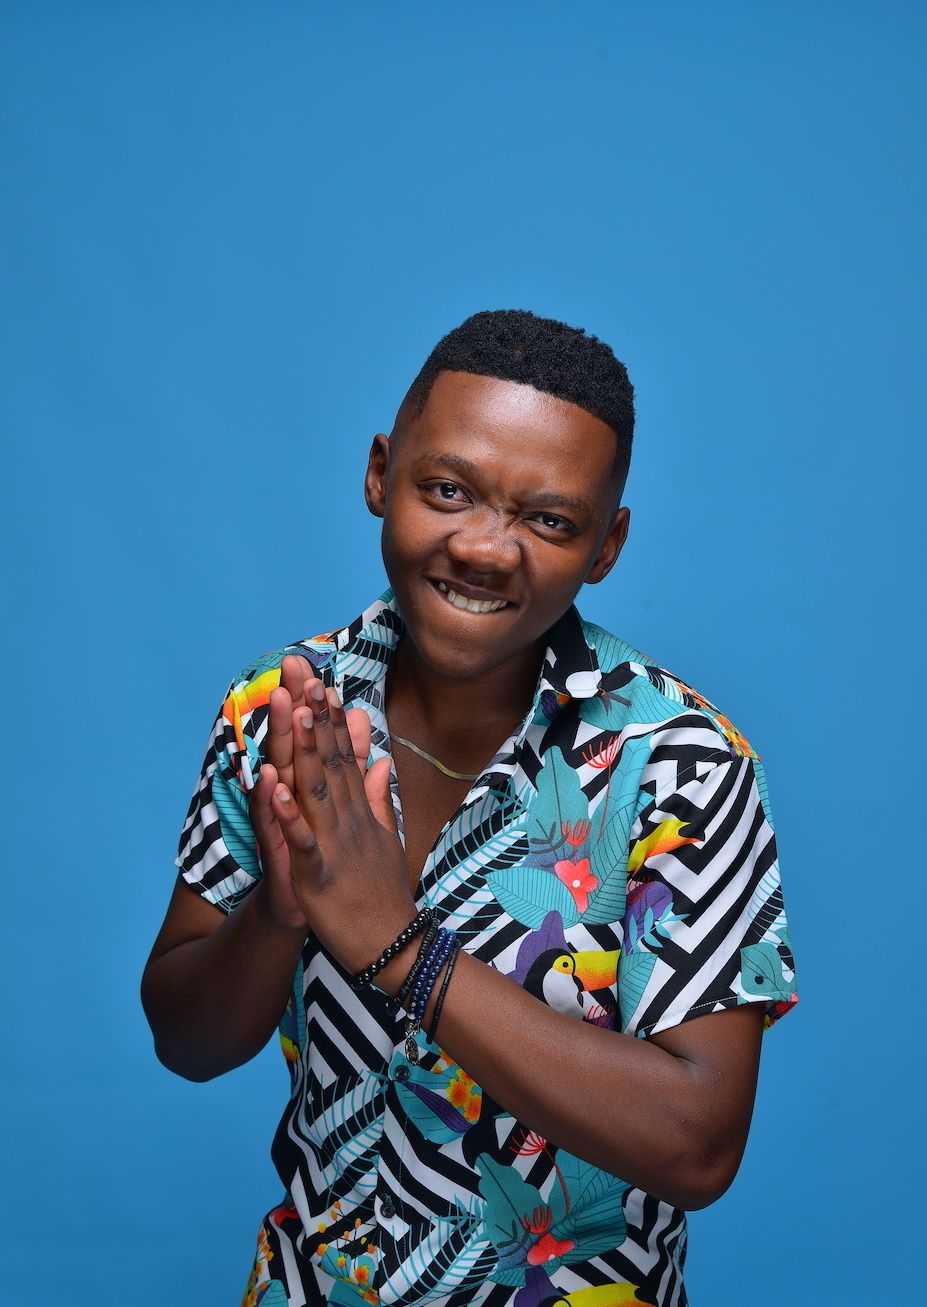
<point>616,859</point>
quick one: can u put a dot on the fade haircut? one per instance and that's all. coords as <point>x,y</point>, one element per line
<point>515,345</point>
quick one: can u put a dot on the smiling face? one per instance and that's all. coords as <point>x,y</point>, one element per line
<point>498,502</point>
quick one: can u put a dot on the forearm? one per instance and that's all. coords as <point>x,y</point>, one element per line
<point>622,1103</point>
<point>212,1003</point>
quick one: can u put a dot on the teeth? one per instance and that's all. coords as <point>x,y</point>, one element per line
<point>470,605</point>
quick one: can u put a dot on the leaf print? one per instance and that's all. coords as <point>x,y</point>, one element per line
<point>761,971</point>
<point>272,1294</point>
<point>432,1113</point>
<point>237,834</point>
<point>444,1105</point>
<point>634,971</point>
<point>609,856</point>
<point>559,798</point>
<point>652,897</point>
<point>497,853</point>
<point>508,1199</point>
<point>451,1258</point>
<point>528,894</point>
<point>594,1220</point>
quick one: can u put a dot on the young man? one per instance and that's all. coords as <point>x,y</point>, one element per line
<point>572,1060</point>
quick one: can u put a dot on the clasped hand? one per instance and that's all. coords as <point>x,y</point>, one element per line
<point>331,859</point>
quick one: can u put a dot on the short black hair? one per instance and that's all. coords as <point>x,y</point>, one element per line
<point>516,345</point>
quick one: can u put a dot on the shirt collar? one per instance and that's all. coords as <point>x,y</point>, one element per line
<point>570,669</point>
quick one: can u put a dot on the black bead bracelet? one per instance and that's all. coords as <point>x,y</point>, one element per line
<point>424,919</point>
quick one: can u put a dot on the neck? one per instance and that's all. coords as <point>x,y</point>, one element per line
<point>463,713</point>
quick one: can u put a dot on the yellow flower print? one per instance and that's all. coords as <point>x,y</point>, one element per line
<point>464,1094</point>
<point>259,1272</point>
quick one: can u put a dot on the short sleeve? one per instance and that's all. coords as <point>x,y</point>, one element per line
<point>705,926</point>
<point>217,853</point>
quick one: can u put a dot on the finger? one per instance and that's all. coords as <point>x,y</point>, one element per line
<point>359,728</point>
<point>278,745</point>
<point>293,678</point>
<point>272,848</point>
<point>353,775</point>
<point>377,788</point>
<point>312,790</point>
<point>305,856</point>
<point>336,758</point>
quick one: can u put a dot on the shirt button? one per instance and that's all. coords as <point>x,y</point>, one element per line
<point>402,1073</point>
<point>387,1208</point>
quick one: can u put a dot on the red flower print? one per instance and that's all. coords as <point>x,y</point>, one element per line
<point>539,1220</point>
<point>576,833</point>
<point>604,756</point>
<point>546,1248</point>
<point>578,879</point>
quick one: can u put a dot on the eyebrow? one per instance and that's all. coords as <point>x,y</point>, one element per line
<point>553,498</point>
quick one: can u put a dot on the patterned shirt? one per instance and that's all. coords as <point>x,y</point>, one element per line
<point>617,859</point>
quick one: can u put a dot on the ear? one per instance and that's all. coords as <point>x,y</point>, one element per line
<point>611,547</point>
<point>375,477</point>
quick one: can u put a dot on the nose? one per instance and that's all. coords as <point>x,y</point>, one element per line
<point>482,545</point>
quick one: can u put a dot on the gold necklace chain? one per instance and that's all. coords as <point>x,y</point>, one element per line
<point>447,771</point>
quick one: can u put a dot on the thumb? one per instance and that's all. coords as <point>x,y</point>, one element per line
<point>376,786</point>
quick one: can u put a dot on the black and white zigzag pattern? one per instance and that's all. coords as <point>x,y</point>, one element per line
<point>351,1160</point>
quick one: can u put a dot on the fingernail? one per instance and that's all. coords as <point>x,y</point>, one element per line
<point>306,721</point>
<point>317,691</point>
<point>283,794</point>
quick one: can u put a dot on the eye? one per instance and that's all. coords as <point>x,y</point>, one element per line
<point>447,491</point>
<point>555,524</point>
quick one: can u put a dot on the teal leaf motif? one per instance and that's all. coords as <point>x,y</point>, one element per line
<point>609,865</point>
<point>488,834</point>
<point>528,894</point>
<point>761,971</point>
<point>559,798</point>
<point>609,860</point>
<point>632,759</point>
<point>272,1294</point>
<point>452,1257</point>
<point>234,822</point>
<point>507,1199</point>
<point>595,1220</point>
<point>353,1112</point>
<point>634,971</point>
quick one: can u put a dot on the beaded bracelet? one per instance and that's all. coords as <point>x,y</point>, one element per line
<point>439,1001</point>
<point>424,919</point>
<point>393,1004</point>
<point>421,990</point>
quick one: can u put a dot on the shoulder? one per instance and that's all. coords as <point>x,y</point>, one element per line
<point>245,705</point>
<point>638,696</point>
<point>257,678</point>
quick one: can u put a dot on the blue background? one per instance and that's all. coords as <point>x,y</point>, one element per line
<point>230,235</point>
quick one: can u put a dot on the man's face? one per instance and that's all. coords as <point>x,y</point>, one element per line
<point>497,504</point>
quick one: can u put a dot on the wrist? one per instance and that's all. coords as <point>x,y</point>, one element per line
<point>290,925</point>
<point>411,931</point>
<point>394,973</point>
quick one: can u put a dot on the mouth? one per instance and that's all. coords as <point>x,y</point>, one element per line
<point>468,603</point>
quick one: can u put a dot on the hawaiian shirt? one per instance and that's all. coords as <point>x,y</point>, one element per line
<point>617,859</point>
